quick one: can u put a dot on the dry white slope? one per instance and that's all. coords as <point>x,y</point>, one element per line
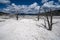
<point>26,29</point>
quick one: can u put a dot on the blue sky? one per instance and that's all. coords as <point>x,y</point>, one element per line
<point>28,2</point>
<point>7,5</point>
<point>21,2</point>
<point>25,2</point>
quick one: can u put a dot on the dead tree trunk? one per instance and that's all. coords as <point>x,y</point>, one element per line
<point>38,14</point>
<point>17,16</point>
<point>49,19</point>
<point>50,24</point>
<point>38,17</point>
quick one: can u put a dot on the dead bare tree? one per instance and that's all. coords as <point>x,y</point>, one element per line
<point>49,19</point>
<point>38,14</point>
<point>16,15</point>
<point>50,23</point>
<point>38,17</point>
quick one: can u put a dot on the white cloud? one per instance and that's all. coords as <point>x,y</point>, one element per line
<point>4,1</point>
<point>33,8</point>
<point>51,5</point>
<point>11,8</point>
<point>58,0</point>
<point>43,1</point>
<point>33,5</point>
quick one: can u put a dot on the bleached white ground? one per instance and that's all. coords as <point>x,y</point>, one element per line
<point>28,29</point>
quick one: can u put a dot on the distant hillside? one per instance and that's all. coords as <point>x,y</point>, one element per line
<point>55,13</point>
<point>2,13</point>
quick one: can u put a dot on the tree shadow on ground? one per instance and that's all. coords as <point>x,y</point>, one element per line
<point>2,20</point>
<point>44,26</point>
